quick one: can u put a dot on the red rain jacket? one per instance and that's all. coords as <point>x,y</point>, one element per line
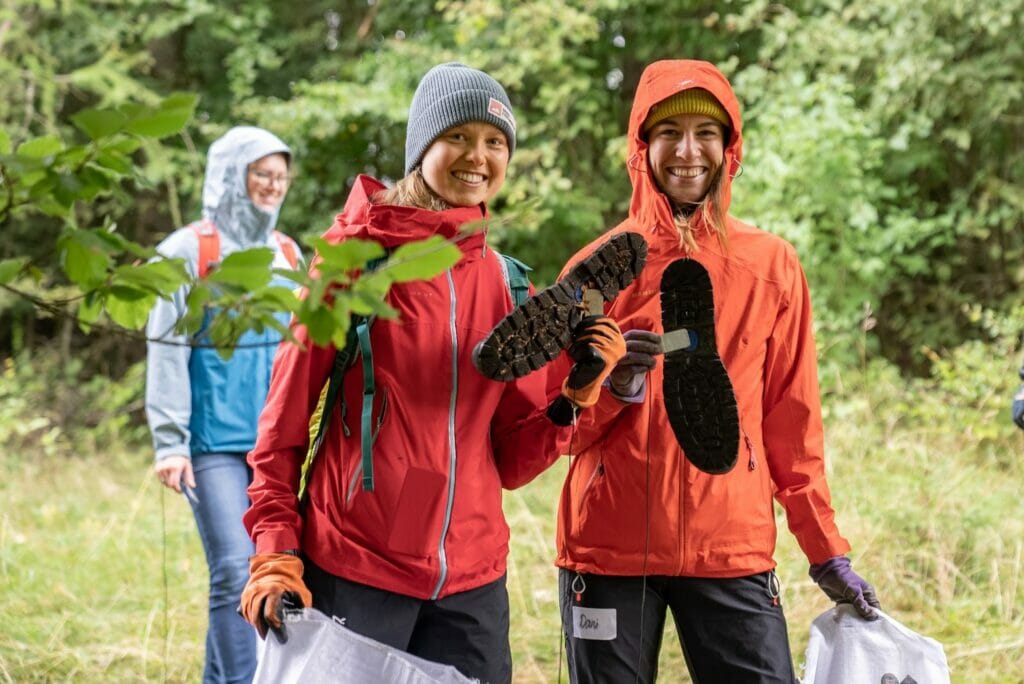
<point>447,437</point>
<point>629,462</point>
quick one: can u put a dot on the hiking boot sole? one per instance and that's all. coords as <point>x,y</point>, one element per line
<point>537,331</point>
<point>698,395</point>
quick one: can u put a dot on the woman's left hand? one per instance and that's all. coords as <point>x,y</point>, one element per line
<point>642,349</point>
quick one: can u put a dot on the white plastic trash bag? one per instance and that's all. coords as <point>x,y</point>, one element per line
<point>321,651</point>
<point>846,648</point>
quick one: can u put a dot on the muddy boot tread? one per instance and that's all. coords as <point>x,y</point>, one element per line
<point>535,333</point>
<point>697,392</point>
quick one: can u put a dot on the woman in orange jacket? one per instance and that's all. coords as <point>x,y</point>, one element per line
<point>668,504</point>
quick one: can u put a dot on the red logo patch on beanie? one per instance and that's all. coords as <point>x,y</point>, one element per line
<point>498,109</point>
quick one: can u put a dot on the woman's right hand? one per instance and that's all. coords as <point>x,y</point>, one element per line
<point>173,470</point>
<point>642,346</point>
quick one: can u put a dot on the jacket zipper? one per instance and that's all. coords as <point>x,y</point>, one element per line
<point>452,455</point>
<point>598,471</point>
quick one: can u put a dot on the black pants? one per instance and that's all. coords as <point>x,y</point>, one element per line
<point>732,630</point>
<point>468,630</point>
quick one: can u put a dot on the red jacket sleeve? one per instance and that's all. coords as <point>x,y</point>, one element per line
<point>298,376</point>
<point>526,442</point>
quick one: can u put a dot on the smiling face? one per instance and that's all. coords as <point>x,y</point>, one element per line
<point>267,181</point>
<point>466,164</point>
<point>685,154</point>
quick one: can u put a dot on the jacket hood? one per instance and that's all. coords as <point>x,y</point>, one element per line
<point>226,200</point>
<point>649,206</point>
<point>392,225</point>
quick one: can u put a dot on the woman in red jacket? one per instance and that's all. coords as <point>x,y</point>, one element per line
<point>418,562</point>
<point>668,504</point>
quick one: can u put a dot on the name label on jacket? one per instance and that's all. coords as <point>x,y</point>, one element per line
<point>597,624</point>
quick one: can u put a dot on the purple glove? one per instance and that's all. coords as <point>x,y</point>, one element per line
<point>642,346</point>
<point>841,584</point>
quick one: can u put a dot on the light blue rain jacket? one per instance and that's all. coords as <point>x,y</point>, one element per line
<point>196,402</point>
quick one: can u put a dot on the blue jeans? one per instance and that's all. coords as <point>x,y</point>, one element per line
<point>221,482</point>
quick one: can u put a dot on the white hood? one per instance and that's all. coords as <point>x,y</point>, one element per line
<point>226,200</point>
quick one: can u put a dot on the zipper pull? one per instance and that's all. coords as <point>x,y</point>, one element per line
<point>344,412</point>
<point>752,462</point>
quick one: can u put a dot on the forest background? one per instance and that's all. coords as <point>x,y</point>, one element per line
<point>883,139</point>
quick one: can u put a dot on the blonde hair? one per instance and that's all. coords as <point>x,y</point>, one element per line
<point>412,191</point>
<point>711,213</point>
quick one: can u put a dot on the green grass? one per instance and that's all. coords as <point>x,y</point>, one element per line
<point>927,480</point>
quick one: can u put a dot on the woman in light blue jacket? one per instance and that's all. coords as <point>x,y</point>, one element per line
<point>202,410</point>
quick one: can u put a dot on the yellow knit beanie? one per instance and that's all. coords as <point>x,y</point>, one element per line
<point>692,101</point>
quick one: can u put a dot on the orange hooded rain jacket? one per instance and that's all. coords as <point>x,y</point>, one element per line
<point>632,503</point>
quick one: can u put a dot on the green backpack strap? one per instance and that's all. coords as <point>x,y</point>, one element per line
<point>357,341</point>
<point>516,280</point>
<point>366,419</point>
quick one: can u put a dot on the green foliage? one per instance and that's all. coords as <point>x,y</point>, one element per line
<point>51,176</point>
<point>894,165</point>
<point>54,408</point>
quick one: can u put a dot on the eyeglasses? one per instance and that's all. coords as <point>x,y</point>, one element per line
<point>270,178</point>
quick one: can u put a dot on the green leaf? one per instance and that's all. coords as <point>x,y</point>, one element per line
<point>115,161</point>
<point>169,117</point>
<point>99,123</point>
<point>279,298</point>
<point>72,156</point>
<point>122,145</point>
<point>320,324</point>
<point>5,142</point>
<point>51,207</point>
<point>37,148</point>
<point>300,278</point>
<point>161,277</point>
<point>422,260</point>
<point>94,182</point>
<point>248,269</point>
<point>68,189</point>
<point>198,297</point>
<point>348,255</point>
<point>84,264</point>
<point>129,307</point>
<point>11,268</point>
<point>367,293</point>
<point>89,311</point>
<point>114,242</point>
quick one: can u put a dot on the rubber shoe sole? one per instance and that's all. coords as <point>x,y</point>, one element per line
<point>698,395</point>
<point>536,332</point>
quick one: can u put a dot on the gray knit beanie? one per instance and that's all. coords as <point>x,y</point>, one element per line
<point>450,95</point>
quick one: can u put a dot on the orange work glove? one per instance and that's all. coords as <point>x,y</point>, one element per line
<point>271,577</point>
<point>596,348</point>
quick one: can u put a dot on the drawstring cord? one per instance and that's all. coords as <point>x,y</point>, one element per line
<point>562,638</point>
<point>163,569</point>
<point>647,526</point>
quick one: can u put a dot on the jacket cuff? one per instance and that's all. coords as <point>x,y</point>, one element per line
<point>175,450</point>
<point>635,398</point>
<point>281,541</point>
